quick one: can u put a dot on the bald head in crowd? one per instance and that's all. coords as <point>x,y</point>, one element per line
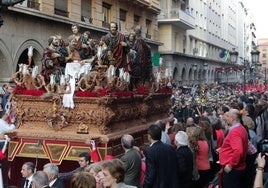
<point>190,122</point>
<point>232,116</point>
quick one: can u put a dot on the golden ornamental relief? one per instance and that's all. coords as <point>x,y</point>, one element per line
<point>82,129</point>
<point>57,118</point>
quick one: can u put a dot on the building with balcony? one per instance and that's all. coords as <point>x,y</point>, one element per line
<point>32,22</point>
<point>263,48</point>
<point>198,36</point>
<point>262,45</point>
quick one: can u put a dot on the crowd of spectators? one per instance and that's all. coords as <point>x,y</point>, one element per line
<point>211,137</point>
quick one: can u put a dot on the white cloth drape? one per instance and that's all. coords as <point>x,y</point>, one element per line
<point>73,70</point>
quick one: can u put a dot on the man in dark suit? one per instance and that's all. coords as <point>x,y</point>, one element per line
<point>83,160</point>
<point>40,180</point>
<point>27,171</point>
<point>131,160</point>
<point>161,162</point>
<point>52,172</point>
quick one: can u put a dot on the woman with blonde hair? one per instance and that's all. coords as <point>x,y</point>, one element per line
<point>83,180</point>
<point>94,169</point>
<point>200,148</point>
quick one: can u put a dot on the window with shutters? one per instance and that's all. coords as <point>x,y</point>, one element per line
<point>122,20</point>
<point>61,8</point>
<point>86,11</point>
<point>106,15</point>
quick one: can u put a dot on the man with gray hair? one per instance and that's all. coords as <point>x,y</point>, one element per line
<point>40,180</point>
<point>52,172</point>
<point>233,152</point>
<point>131,160</point>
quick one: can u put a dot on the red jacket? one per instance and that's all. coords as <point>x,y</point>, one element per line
<point>234,148</point>
<point>95,156</point>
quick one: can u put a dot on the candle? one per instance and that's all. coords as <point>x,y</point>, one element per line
<point>62,80</point>
<point>86,70</point>
<point>35,71</point>
<point>166,73</point>
<point>160,61</point>
<point>109,74</point>
<point>24,70</point>
<point>67,78</point>
<point>112,70</point>
<point>99,51</point>
<point>30,51</point>
<point>158,77</point>
<point>121,73</point>
<point>52,76</point>
<point>127,77</point>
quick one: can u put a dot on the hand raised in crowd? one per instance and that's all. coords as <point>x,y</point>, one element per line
<point>261,160</point>
<point>93,144</point>
<point>258,182</point>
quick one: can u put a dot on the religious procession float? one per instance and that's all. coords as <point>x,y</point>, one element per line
<point>61,107</point>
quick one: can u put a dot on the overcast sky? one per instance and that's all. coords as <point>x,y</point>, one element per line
<point>259,10</point>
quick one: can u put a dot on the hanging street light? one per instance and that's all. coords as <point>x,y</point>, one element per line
<point>233,56</point>
<point>255,56</point>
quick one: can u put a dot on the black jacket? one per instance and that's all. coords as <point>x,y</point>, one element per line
<point>161,167</point>
<point>185,166</point>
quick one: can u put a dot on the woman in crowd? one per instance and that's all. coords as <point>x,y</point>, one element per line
<point>83,180</point>
<point>200,148</point>
<point>184,160</point>
<point>217,141</point>
<point>113,171</point>
<point>94,169</point>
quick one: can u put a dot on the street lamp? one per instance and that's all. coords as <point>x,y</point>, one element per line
<point>244,80</point>
<point>255,56</point>
<point>233,56</point>
<point>265,69</point>
<point>194,68</point>
<point>205,68</point>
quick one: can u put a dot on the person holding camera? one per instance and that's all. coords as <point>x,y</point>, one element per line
<point>258,182</point>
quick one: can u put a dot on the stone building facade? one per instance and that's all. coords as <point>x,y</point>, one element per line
<point>32,22</point>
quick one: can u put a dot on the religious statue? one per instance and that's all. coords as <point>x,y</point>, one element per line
<point>78,49</point>
<point>50,62</point>
<point>143,56</point>
<point>118,46</point>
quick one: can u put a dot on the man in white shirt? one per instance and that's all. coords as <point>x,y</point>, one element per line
<point>4,125</point>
